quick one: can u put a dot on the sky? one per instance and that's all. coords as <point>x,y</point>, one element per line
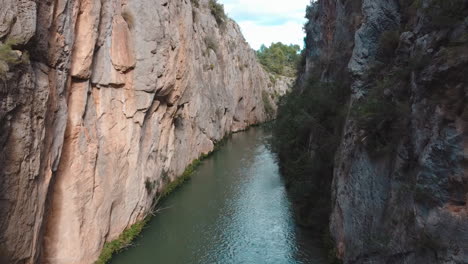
<point>268,21</point>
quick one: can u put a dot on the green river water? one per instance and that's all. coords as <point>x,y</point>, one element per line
<point>234,210</point>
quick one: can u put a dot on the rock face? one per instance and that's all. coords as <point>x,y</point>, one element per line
<point>117,95</point>
<point>407,204</point>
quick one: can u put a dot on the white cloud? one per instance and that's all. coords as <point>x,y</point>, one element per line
<point>267,21</point>
<point>256,35</point>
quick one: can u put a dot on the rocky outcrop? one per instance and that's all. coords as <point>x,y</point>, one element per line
<point>116,94</point>
<point>400,183</point>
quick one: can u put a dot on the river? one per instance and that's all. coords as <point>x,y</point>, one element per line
<point>234,210</point>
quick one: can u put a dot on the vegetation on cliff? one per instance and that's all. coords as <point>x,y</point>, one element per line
<point>279,58</point>
<point>217,10</point>
<point>407,69</point>
<point>308,129</point>
<point>123,241</point>
<point>10,57</point>
<point>306,136</point>
<point>128,235</point>
<point>311,117</point>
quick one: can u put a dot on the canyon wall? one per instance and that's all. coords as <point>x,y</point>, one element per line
<point>400,173</point>
<point>105,102</point>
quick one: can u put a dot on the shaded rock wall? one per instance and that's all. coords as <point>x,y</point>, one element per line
<point>407,204</point>
<point>116,94</point>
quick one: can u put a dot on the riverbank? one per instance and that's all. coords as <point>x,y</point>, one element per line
<point>130,234</point>
<point>234,209</point>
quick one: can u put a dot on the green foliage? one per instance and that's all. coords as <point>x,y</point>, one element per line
<point>8,57</point>
<point>306,136</point>
<point>125,239</point>
<point>122,242</point>
<point>217,10</point>
<point>3,70</point>
<point>388,43</point>
<point>415,4</point>
<point>381,115</point>
<point>269,110</point>
<point>280,58</point>
<point>272,79</point>
<point>172,186</point>
<point>218,145</point>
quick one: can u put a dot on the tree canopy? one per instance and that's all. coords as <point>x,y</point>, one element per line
<point>280,58</point>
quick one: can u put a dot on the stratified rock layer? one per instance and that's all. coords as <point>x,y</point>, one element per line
<point>118,96</point>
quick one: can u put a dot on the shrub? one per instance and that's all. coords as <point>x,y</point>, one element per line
<point>388,43</point>
<point>172,186</point>
<point>306,136</point>
<point>7,54</point>
<point>217,10</point>
<point>8,57</point>
<point>122,242</point>
<point>189,170</point>
<point>3,70</point>
<point>273,79</point>
<point>279,58</point>
<point>381,116</point>
<point>128,235</point>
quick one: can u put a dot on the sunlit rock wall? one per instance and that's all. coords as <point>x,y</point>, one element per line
<point>116,94</point>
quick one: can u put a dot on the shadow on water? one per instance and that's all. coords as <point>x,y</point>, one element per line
<point>234,210</point>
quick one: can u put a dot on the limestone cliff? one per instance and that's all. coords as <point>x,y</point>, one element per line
<point>102,99</point>
<point>400,176</point>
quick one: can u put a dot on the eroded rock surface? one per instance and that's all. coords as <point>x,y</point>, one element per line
<point>116,94</point>
<point>408,203</point>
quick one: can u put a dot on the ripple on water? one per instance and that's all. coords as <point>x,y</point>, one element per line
<point>234,210</point>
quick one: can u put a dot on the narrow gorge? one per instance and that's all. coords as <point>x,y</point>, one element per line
<point>106,106</point>
<point>373,140</point>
